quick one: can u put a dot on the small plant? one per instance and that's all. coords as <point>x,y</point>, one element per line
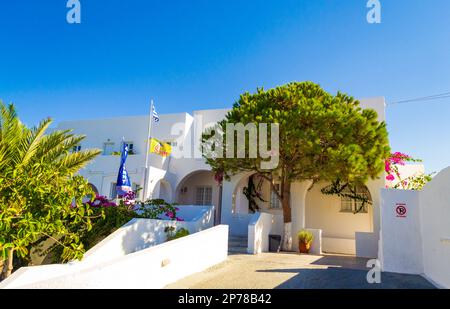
<point>181,233</point>
<point>305,239</point>
<point>170,232</point>
<point>158,209</point>
<point>171,235</point>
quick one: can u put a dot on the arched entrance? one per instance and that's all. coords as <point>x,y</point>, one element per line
<point>258,189</point>
<point>337,219</point>
<point>237,210</point>
<point>198,188</point>
<point>165,190</point>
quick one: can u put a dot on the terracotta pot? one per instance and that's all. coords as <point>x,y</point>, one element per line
<point>304,247</point>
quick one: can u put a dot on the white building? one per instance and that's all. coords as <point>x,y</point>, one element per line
<point>188,180</point>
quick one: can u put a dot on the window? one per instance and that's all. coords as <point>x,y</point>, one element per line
<point>351,205</point>
<point>203,196</point>
<point>130,147</point>
<point>76,148</point>
<point>113,191</point>
<point>274,200</point>
<point>171,142</point>
<point>108,148</point>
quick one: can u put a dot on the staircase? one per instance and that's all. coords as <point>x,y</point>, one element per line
<point>237,244</point>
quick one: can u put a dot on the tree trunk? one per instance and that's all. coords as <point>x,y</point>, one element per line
<point>2,264</point>
<point>8,265</point>
<point>287,216</point>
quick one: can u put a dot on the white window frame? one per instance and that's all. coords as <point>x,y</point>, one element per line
<point>275,202</point>
<point>204,197</point>
<point>112,190</point>
<point>349,205</point>
<point>130,145</point>
<point>105,144</point>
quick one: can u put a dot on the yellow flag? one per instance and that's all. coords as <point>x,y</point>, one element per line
<point>160,148</point>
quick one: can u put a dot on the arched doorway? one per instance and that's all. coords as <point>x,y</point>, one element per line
<point>198,188</point>
<point>337,219</point>
<point>165,190</point>
<point>261,198</point>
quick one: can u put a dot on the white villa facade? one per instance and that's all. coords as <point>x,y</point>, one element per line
<point>187,179</point>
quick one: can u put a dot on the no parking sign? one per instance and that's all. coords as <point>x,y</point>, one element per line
<point>401,210</point>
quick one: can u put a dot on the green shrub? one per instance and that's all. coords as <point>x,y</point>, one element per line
<point>305,236</point>
<point>180,233</point>
<point>107,216</point>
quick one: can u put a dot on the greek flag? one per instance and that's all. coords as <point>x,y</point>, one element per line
<point>123,179</point>
<point>155,115</point>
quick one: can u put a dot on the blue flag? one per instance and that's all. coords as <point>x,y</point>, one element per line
<point>155,114</point>
<point>123,179</point>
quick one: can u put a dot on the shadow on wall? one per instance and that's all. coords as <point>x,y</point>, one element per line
<point>339,278</point>
<point>148,233</point>
<point>145,235</point>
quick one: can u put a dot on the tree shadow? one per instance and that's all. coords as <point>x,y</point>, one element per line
<point>351,262</point>
<point>340,278</point>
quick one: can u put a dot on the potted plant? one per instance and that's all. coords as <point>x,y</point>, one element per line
<point>305,239</point>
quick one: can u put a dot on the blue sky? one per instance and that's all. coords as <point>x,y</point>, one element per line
<point>198,54</point>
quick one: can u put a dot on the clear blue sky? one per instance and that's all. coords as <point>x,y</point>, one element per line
<point>198,54</point>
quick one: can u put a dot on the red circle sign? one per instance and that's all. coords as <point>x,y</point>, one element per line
<point>401,210</point>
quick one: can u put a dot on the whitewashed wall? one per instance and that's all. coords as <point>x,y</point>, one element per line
<point>435,218</point>
<point>338,228</point>
<point>135,236</point>
<point>139,234</point>
<point>419,242</point>
<point>259,228</point>
<point>154,267</point>
<point>401,242</point>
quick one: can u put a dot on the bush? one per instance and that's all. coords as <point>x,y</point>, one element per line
<point>180,233</point>
<point>108,216</point>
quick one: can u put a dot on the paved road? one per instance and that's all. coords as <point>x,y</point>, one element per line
<point>289,270</point>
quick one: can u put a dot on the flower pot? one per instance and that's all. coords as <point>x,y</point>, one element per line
<point>304,247</point>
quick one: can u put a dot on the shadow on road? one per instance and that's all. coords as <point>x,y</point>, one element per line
<point>340,278</point>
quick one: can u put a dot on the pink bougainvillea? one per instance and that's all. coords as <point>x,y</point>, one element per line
<point>390,177</point>
<point>414,182</point>
<point>396,158</point>
<point>101,201</point>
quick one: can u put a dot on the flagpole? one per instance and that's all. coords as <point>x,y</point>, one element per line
<point>147,150</point>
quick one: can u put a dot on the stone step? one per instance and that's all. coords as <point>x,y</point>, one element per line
<point>237,238</point>
<point>237,244</point>
<point>235,250</point>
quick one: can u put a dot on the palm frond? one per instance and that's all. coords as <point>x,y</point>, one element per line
<point>32,142</point>
<point>73,162</point>
<point>32,149</point>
